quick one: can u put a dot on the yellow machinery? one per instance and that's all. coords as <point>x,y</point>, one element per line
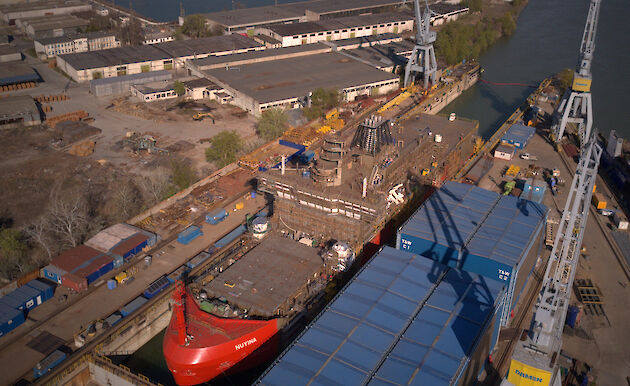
<point>512,171</point>
<point>199,116</point>
<point>407,92</point>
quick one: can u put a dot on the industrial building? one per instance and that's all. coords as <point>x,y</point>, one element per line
<point>121,84</point>
<point>295,34</point>
<point>9,13</point>
<point>242,20</point>
<point>19,111</point>
<point>288,82</point>
<point>69,44</point>
<point>202,88</point>
<point>403,319</point>
<point>478,231</point>
<point>388,57</point>
<point>153,91</point>
<point>53,26</point>
<point>9,53</point>
<point>518,135</point>
<point>121,61</point>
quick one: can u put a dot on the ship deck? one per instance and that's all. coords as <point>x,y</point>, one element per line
<point>267,276</point>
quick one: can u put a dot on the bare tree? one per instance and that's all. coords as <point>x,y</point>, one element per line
<point>126,199</point>
<point>155,187</point>
<point>39,232</point>
<point>69,216</point>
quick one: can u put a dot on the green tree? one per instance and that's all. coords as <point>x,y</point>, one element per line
<point>474,5</point>
<point>508,24</point>
<point>195,26</point>
<point>179,88</point>
<point>13,249</point>
<point>272,123</point>
<point>183,173</point>
<point>224,147</point>
<point>321,101</point>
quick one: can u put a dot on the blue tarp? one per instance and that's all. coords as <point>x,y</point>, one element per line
<point>403,319</point>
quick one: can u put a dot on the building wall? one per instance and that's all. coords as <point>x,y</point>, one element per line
<point>158,40</point>
<point>151,97</point>
<point>368,30</point>
<point>9,17</point>
<point>502,155</point>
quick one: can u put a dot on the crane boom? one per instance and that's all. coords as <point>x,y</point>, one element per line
<point>588,39</point>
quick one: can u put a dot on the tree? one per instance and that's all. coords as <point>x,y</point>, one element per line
<point>13,253</point>
<point>156,187</point>
<point>321,101</point>
<point>474,5</point>
<point>179,88</point>
<point>195,26</point>
<point>272,123</point>
<point>183,173</point>
<point>132,33</point>
<point>127,200</point>
<point>565,78</point>
<point>39,233</point>
<point>69,214</point>
<point>224,147</point>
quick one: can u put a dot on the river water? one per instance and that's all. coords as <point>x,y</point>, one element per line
<point>546,40</point>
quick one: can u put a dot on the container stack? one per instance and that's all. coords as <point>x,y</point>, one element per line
<point>82,266</point>
<point>15,305</point>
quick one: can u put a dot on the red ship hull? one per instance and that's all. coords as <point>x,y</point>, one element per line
<point>215,346</point>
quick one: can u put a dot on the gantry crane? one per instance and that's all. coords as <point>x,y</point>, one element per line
<point>422,60</point>
<point>534,359</point>
<point>576,105</point>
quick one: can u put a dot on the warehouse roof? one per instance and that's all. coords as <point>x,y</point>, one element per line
<point>17,104</point>
<point>47,25</point>
<point>202,46</point>
<point>74,258</point>
<point>37,5</point>
<point>130,78</point>
<point>296,77</point>
<point>338,23</point>
<point>367,40</point>
<point>402,319</point>
<point>114,57</point>
<point>72,37</point>
<point>254,288</point>
<point>519,133</point>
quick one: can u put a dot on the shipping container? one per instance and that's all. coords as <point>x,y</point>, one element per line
<point>48,363</point>
<point>156,287</point>
<point>216,216</point>
<point>113,319</point>
<point>179,274</point>
<point>534,190</point>
<point>195,261</point>
<point>46,290</point>
<point>10,318</point>
<point>189,234</point>
<point>599,201</point>
<point>53,273</point>
<point>233,235</point>
<point>130,246</point>
<point>74,282</point>
<point>26,297</point>
<point>132,306</point>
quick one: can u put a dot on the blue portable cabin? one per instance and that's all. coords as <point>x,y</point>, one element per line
<point>493,237</point>
<point>403,319</point>
<point>46,290</point>
<point>189,234</point>
<point>198,259</point>
<point>534,190</point>
<point>518,135</point>
<point>10,318</point>
<point>156,287</point>
<point>233,235</point>
<point>46,364</point>
<point>53,273</point>
<point>26,297</point>
<point>216,216</point>
<point>133,305</point>
<point>307,156</point>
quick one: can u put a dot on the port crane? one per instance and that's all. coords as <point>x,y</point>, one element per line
<point>576,105</point>
<point>535,357</point>
<point>422,60</point>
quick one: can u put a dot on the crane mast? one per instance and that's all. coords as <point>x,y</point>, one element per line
<point>576,105</point>
<point>536,355</point>
<point>422,60</point>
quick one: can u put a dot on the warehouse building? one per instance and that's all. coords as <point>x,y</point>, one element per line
<point>121,61</point>
<point>245,20</point>
<point>154,91</point>
<point>9,13</point>
<point>9,53</point>
<point>14,73</point>
<point>336,29</point>
<point>122,84</point>
<point>69,44</point>
<point>518,135</point>
<point>54,26</point>
<point>19,111</point>
<point>287,83</point>
<point>403,319</point>
<point>480,232</point>
<point>386,57</point>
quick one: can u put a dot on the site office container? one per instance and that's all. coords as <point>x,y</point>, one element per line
<point>130,246</point>
<point>156,287</point>
<point>198,259</point>
<point>233,235</point>
<point>79,284</point>
<point>48,363</point>
<point>10,318</point>
<point>46,290</point>
<point>133,305</point>
<point>216,216</point>
<point>189,234</point>
<point>53,273</point>
<point>599,201</point>
<point>26,297</point>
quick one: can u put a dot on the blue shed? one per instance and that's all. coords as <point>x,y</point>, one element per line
<point>45,289</point>
<point>53,273</point>
<point>189,234</point>
<point>10,318</point>
<point>518,135</point>
<point>402,319</point>
<point>534,190</point>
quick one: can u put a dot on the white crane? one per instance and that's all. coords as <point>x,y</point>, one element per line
<point>422,60</point>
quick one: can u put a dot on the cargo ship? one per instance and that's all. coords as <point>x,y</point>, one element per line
<point>357,184</point>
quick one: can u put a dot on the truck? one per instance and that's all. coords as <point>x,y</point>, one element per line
<point>529,157</point>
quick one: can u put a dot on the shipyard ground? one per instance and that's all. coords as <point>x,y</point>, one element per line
<point>18,349</point>
<point>601,341</point>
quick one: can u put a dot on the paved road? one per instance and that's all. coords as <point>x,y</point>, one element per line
<point>16,359</point>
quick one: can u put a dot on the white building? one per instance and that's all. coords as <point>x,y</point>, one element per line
<point>158,37</point>
<point>336,29</point>
<point>154,91</point>
<point>94,41</point>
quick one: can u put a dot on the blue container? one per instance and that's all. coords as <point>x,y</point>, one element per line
<point>195,261</point>
<point>10,318</point>
<point>227,239</point>
<point>111,284</point>
<point>133,306</point>
<point>217,216</point>
<point>156,287</point>
<point>48,363</point>
<point>307,156</point>
<point>178,274</point>
<point>53,273</point>
<point>23,298</point>
<point>572,314</point>
<point>189,234</point>
<point>45,290</point>
<point>253,194</point>
<point>113,319</point>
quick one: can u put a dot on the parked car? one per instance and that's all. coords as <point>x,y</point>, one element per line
<point>529,157</point>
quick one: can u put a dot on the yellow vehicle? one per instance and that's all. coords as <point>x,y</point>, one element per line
<point>201,116</point>
<point>122,277</point>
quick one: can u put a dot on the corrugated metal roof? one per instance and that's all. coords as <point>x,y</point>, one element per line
<point>519,132</point>
<point>73,258</point>
<point>132,77</point>
<point>126,245</point>
<point>402,319</point>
